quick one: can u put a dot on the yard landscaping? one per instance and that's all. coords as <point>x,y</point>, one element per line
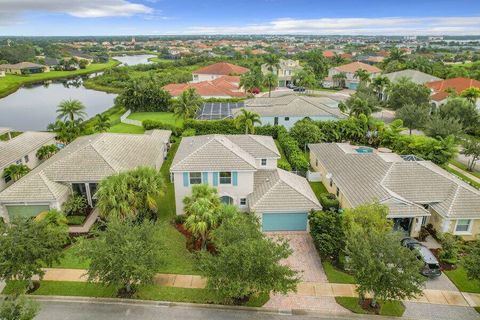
<point>387,308</point>
<point>10,83</point>
<point>318,188</point>
<point>164,117</point>
<point>459,277</point>
<point>76,220</point>
<point>335,275</point>
<point>462,166</point>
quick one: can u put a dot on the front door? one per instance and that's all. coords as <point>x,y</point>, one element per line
<point>403,225</point>
<point>275,121</point>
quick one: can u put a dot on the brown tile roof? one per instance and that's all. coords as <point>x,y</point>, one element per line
<point>223,86</point>
<point>354,66</point>
<point>221,68</point>
<point>459,84</point>
<point>328,54</point>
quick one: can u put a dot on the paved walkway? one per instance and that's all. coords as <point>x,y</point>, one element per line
<point>85,227</point>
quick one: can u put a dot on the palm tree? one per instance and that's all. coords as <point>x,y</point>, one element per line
<point>46,152</point>
<point>472,94</point>
<point>69,109</point>
<point>270,81</point>
<point>272,62</point>
<point>380,83</point>
<point>362,75</point>
<point>15,171</point>
<point>202,210</point>
<point>248,120</point>
<point>356,106</point>
<point>187,104</point>
<point>395,54</point>
<point>339,79</point>
<point>102,123</point>
<point>66,131</point>
<point>338,59</point>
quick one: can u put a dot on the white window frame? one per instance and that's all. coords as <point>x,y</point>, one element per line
<point>190,177</point>
<point>468,231</point>
<point>220,177</point>
<point>263,162</point>
<point>243,199</point>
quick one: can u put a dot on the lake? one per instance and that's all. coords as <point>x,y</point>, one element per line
<point>134,60</point>
<point>33,107</point>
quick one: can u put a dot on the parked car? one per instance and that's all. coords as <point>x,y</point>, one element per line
<point>299,89</point>
<point>291,86</point>
<point>431,266</point>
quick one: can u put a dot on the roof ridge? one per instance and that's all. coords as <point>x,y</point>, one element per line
<point>94,147</point>
<point>286,172</point>
<point>269,189</point>
<point>457,189</point>
<point>257,139</point>
<point>47,182</point>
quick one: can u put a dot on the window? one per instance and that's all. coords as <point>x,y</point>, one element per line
<point>316,162</point>
<point>264,162</point>
<point>243,201</point>
<point>338,191</point>
<point>225,177</point>
<point>463,225</point>
<point>331,182</point>
<point>26,158</point>
<point>7,178</point>
<point>195,177</point>
<point>226,200</point>
<point>287,118</point>
<point>18,161</point>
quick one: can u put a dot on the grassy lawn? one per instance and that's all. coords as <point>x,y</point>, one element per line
<point>336,276</point>
<point>165,117</point>
<point>126,128</point>
<point>75,220</point>
<point>389,308</point>
<point>461,281</point>
<point>462,176</point>
<point>282,154</point>
<point>318,188</point>
<point>462,166</point>
<point>11,83</point>
<point>70,260</point>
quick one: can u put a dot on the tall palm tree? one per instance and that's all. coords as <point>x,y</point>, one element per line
<point>15,171</point>
<point>187,104</point>
<point>380,83</point>
<point>102,123</point>
<point>339,79</point>
<point>395,54</point>
<point>471,94</point>
<point>356,106</point>
<point>248,120</point>
<point>362,75</point>
<point>71,109</point>
<point>270,81</point>
<point>272,61</point>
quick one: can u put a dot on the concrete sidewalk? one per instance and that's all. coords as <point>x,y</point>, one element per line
<point>306,289</point>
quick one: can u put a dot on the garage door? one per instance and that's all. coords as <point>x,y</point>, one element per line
<point>284,221</point>
<point>26,211</point>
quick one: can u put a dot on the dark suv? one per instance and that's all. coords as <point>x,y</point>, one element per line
<point>431,266</point>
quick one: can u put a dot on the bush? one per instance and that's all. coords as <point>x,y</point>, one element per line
<point>153,124</point>
<point>433,232</point>
<point>180,219</point>
<point>423,234</point>
<point>329,202</point>
<point>449,251</point>
<point>283,164</point>
<point>294,155</point>
<point>226,126</point>
<point>76,204</point>
<point>189,133</point>
<point>326,228</point>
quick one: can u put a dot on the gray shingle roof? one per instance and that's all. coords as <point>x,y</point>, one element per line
<point>223,152</point>
<point>21,145</point>
<point>281,191</point>
<point>366,177</point>
<point>414,75</point>
<point>88,158</point>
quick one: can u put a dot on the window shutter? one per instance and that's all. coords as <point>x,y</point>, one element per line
<point>215,179</point>
<point>205,177</point>
<point>235,178</point>
<point>185,179</point>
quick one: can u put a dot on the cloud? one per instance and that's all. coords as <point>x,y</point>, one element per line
<point>354,26</point>
<point>10,10</point>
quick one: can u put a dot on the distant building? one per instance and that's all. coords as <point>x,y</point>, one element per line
<point>217,70</point>
<point>24,68</point>
<point>440,89</point>
<point>285,71</point>
<point>349,70</point>
<point>415,76</point>
<point>220,87</point>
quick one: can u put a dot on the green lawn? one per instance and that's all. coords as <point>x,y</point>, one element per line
<point>462,176</point>
<point>76,220</point>
<point>11,83</point>
<point>462,166</point>
<point>165,117</point>
<point>70,260</point>
<point>126,128</point>
<point>335,275</point>
<point>461,281</point>
<point>389,308</point>
<point>318,188</point>
<point>282,154</point>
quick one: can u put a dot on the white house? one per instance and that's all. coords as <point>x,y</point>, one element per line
<point>349,70</point>
<point>244,170</point>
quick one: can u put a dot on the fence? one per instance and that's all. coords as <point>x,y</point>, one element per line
<point>314,176</point>
<point>124,119</point>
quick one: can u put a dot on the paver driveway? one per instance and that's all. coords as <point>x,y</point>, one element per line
<point>306,261</point>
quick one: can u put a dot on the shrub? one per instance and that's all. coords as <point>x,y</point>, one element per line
<point>329,202</point>
<point>429,227</point>
<point>153,124</point>
<point>326,228</point>
<point>449,251</point>
<point>423,234</point>
<point>76,204</point>
<point>294,155</point>
<point>283,164</point>
<point>226,126</point>
<point>189,133</point>
<point>180,219</point>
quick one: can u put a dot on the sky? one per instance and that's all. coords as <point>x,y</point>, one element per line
<point>167,17</point>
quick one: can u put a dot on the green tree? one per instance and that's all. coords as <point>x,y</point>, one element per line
<point>395,55</point>
<point>45,152</point>
<point>318,64</point>
<point>29,246</point>
<point>272,62</point>
<point>472,94</point>
<point>471,148</point>
<point>251,80</point>
<point>362,75</point>
<point>326,228</point>
<point>442,127</point>
<point>18,308</point>
<point>203,212</point>
<point>370,218</point>
<point>339,79</point>
<point>83,63</point>
<point>187,104</point>
<point>462,110</point>
<point>305,132</point>
<point>471,261</point>
<point>125,255</point>
<point>102,123</point>
<point>71,110</point>
<point>270,81</point>
<point>15,171</point>
<point>305,78</point>
<point>380,84</point>
<point>130,195</point>
<point>406,92</point>
<point>248,120</point>
<point>145,95</point>
<point>67,131</point>
<point>356,106</point>
<point>413,117</point>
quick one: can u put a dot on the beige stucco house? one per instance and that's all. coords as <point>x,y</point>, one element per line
<point>417,192</point>
<point>285,71</point>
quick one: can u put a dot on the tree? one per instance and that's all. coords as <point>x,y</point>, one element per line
<point>67,131</point>
<point>406,92</point>
<point>462,110</point>
<point>326,228</point>
<point>45,152</point>
<point>248,120</point>
<point>305,132</point>
<point>71,110</point>
<point>442,127</point>
<point>471,148</point>
<point>18,308</point>
<point>15,171</point>
<point>75,204</point>
<point>305,78</point>
<point>126,254</point>
<point>202,210</point>
<point>187,104</point>
<point>395,55</point>
<point>356,106</point>
<point>339,79</point>
<point>272,62</point>
<point>83,63</point>
<point>270,81</point>
<point>251,80</point>
<point>362,75</point>
<point>370,218</point>
<point>52,217</point>
<point>145,95</point>
<point>380,84</point>
<point>413,117</point>
<point>102,123</point>
<point>471,261</point>
<point>472,94</point>
<point>130,195</point>
<point>318,64</point>
<point>29,246</point>
<point>247,264</point>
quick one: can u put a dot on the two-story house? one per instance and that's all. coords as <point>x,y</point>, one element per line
<point>217,70</point>
<point>285,71</point>
<point>21,149</point>
<point>351,81</point>
<point>244,170</point>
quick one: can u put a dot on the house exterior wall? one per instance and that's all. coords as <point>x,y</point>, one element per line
<point>448,225</point>
<point>243,188</point>
<point>204,77</point>
<point>292,120</point>
<point>350,82</point>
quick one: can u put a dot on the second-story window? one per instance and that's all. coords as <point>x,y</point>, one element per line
<point>26,158</point>
<point>195,177</point>
<point>225,177</point>
<point>264,162</point>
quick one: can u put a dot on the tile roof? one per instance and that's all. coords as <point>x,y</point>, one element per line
<point>392,180</point>
<point>221,68</point>
<point>459,84</point>
<point>21,145</point>
<point>223,152</point>
<point>88,158</point>
<point>354,66</point>
<point>223,86</point>
<point>281,191</point>
<point>414,75</point>
<point>21,65</point>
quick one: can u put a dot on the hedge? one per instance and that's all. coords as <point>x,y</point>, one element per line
<point>153,124</point>
<point>294,155</point>
<point>329,201</point>
<point>226,126</point>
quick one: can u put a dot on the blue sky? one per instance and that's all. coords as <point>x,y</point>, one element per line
<point>130,17</point>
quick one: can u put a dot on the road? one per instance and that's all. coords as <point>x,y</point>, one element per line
<point>62,310</point>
